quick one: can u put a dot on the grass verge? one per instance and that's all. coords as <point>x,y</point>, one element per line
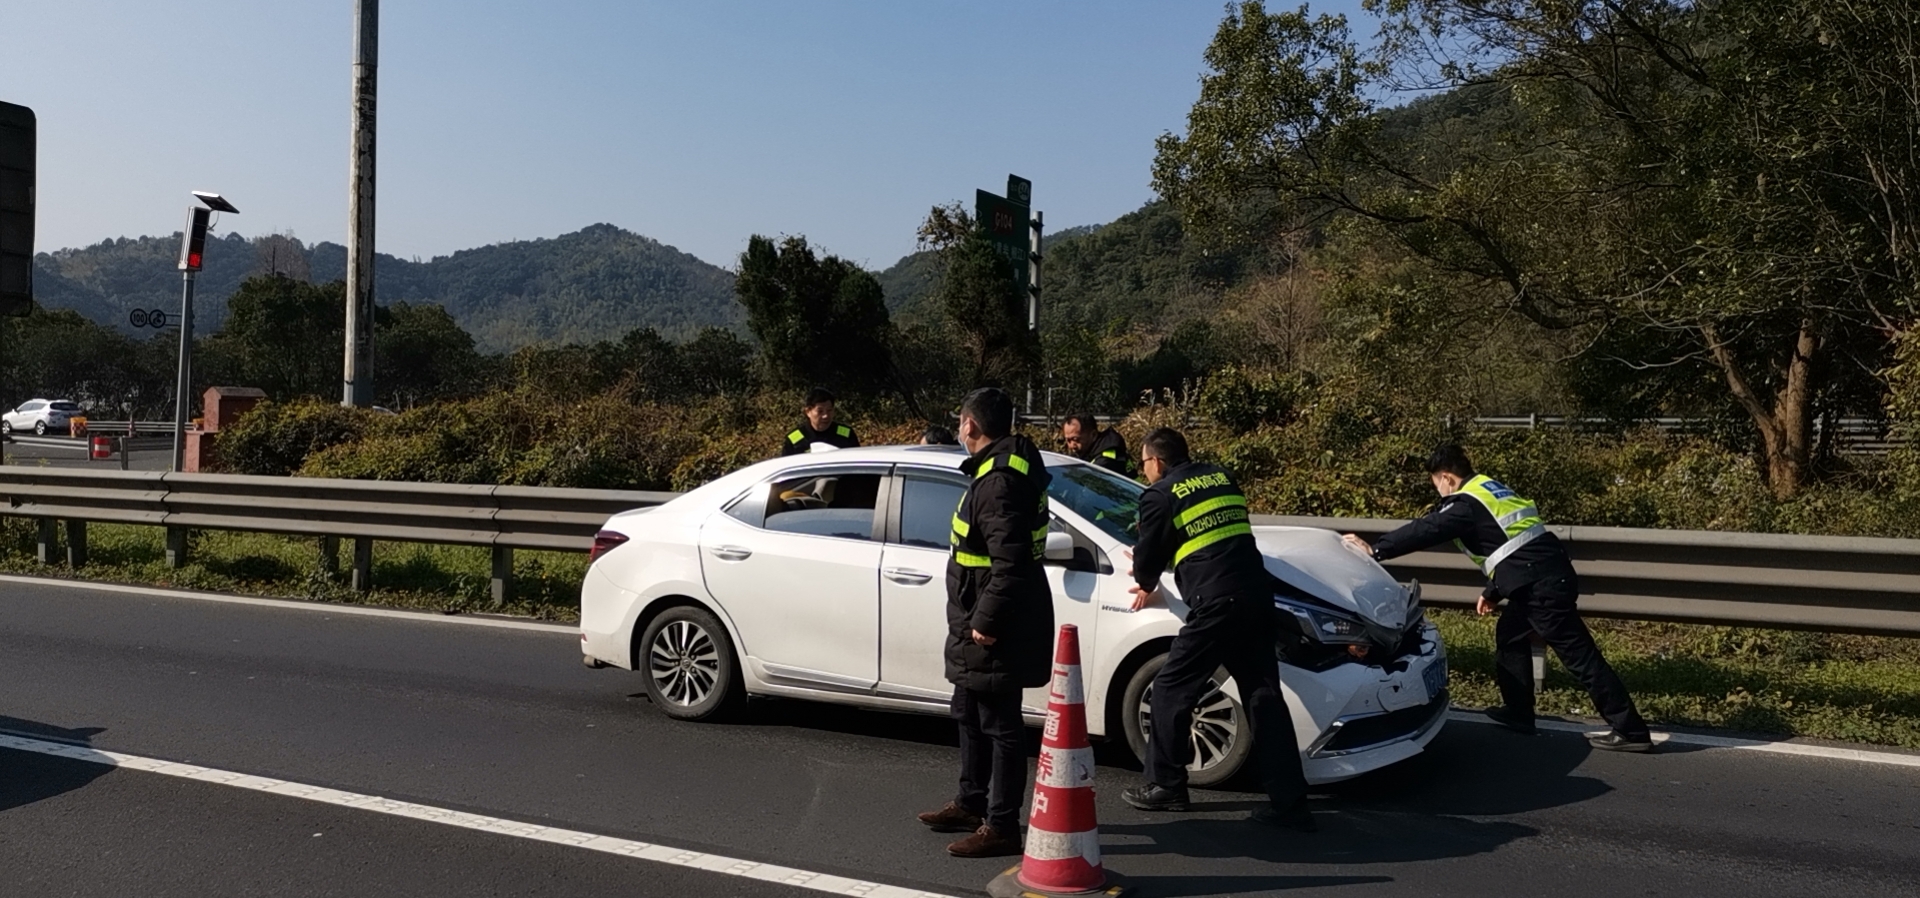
<point>448,579</point>
<point>1772,682</point>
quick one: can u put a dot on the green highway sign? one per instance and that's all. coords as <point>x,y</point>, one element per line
<point>1007,221</point>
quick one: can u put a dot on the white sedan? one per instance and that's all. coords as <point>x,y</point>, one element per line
<point>823,577</point>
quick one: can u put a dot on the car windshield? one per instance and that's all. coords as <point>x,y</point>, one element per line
<point>1107,500</point>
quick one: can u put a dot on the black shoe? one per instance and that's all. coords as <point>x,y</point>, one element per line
<point>1612,740</point>
<point>1296,818</point>
<point>1501,715</point>
<point>1155,798</point>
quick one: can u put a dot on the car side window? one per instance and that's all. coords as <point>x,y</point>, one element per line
<point>839,505</point>
<point>33,406</point>
<point>927,506</point>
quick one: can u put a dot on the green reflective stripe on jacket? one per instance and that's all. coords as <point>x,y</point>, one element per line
<point>843,430</point>
<point>1518,518</point>
<point>961,528</point>
<point>1012,461</point>
<point>1209,538</point>
<point>796,437</point>
<point>968,559</point>
<point>1110,453</point>
<point>1211,505</point>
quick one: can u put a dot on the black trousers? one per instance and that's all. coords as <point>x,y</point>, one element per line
<point>1547,607</point>
<point>993,757</point>
<point>1238,634</point>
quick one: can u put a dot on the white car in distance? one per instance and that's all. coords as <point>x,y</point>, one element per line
<point>823,577</point>
<point>40,416</point>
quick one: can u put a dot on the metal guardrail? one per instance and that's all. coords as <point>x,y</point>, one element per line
<point>502,518</point>
<point>1839,584</point>
<point>1828,583</point>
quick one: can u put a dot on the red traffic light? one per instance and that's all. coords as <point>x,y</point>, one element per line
<point>193,241</point>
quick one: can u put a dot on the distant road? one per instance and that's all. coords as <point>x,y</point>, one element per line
<point>66,452</point>
<point>504,722</point>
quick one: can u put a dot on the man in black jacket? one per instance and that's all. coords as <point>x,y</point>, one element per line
<point>1195,520</point>
<point>1529,567</point>
<point>818,424</point>
<point>1104,448</point>
<point>999,624</point>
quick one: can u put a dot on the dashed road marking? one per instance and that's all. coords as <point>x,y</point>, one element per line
<point>1800,749</point>
<point>713,863</point>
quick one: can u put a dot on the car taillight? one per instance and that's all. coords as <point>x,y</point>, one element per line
<point>603,542</point>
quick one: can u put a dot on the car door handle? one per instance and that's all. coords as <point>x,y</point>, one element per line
<point>906,576</point>
<point>731,553</point>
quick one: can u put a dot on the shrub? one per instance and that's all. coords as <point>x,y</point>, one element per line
<point>275,438</point>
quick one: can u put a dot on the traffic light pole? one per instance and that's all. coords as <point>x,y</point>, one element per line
<point>357,385</point>
<point>183,383</point>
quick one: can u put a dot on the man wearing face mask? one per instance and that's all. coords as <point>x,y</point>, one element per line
<point>1529,568</point>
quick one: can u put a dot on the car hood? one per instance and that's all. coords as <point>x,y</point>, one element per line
<point>1317,563</point>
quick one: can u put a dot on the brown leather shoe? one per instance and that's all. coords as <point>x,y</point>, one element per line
<point>985,842</point>
<point>951,819</point>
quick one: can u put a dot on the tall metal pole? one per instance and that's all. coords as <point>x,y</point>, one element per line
<point>357,374</point>
<point>183,384</point>
<point>1037,225</point>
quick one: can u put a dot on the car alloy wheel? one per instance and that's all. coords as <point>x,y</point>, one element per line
<point>40,427</point>
<point>1222,735</point>
<point>683,663</point>
<point>689,663</point>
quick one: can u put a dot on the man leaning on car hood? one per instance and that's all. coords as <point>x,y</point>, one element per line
<point>999,624</point>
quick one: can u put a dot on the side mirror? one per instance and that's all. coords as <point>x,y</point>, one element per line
<point>1059,547</point>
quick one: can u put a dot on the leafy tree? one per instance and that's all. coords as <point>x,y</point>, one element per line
<point>420,354</point>
<point>983,302</point>
<point>819,320</point>
<point>282,336</point>
<point>1735,174</point>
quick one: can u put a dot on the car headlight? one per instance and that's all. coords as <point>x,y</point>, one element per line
<point>1325,625</point>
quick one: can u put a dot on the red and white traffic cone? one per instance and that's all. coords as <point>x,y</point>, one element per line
<point>1063,838</point>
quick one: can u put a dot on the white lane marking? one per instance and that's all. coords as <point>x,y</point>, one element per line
<point>714,863</point>
<point>1799,749</point>
<point>295,604</point>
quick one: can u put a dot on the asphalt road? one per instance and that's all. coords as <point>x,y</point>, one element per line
<point>507,723</point>
<point>76,456</point>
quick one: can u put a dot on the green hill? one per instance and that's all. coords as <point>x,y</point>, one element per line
<point>595,283</point>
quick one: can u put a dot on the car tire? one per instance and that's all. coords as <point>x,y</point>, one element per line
<point>40,428</point>
<point>6,427</point>
<point>1222,732</point>
<point>689,665</point>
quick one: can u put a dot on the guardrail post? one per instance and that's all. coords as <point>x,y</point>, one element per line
<point>329,555</point>
<point>502,585</point>
<point>46,542</point>
<point>176,547</point>
<point>76,544</point>
<point>362,564</point>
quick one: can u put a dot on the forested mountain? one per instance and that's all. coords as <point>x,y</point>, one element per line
<point>593,284</point>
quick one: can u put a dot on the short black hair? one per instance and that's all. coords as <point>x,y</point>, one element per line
<point>935,435</point>
<point>1167,445</point>
<point>818,395</point>
<point>1088,425</point>
<point>1452,459</point>
<point>992,409</point>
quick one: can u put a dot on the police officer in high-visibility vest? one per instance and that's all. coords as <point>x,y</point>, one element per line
<point>999,624</point>
<point>1194,520</point>
<point>1528,567</point>
<point>1102,448</point>
<point>818,426</point>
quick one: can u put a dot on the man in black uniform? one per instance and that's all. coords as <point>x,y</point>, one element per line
<point>1087,442</point>
<point>1193,518</point>
<point>817,426</point>
<point>999,624</point>
<point>1529,567</point>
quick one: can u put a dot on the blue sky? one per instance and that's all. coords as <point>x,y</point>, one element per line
<point>696,122</point>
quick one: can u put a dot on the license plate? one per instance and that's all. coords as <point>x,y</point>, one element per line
<point>1436,677</point>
